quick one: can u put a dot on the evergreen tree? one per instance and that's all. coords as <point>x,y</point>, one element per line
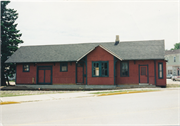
<point>10,38</point>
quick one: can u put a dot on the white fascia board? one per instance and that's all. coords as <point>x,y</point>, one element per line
<point>110,52</point>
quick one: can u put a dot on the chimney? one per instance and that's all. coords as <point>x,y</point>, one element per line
<point>117,40</point>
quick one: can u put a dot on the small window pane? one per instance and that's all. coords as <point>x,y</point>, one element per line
<point>143,70</point>
<point>104,69</point>
<point>160,74</point>
<point>97,71</point>
<point>160,66</point>
<point>26,68</point>
<point>64,68</point>
<point>106,72</point>
<point>124,69</point>
<point>169,71</point>
<point>160,69</point>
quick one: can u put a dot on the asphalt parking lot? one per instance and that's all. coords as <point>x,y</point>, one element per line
<point>169,81</point>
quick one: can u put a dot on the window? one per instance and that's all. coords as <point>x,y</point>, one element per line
<point>143,70</point>
<point>174,59</point>
<point>80,64</point>
<point>160,69</point>
<point>64,67</point>
<point>169,71</point>
<point>124,69</point>
<point>26,68</point>
<point>100,69</point>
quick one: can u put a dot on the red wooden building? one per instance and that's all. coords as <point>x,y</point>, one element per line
<point>108,63</point>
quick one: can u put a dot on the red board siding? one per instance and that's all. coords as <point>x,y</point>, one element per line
<point>79,74</point>
<point>41,76</point>
<point>161,82</point>
<point>100,54</point>
<point>64,77</point>
<point>134,73</point>
<point>47,76</point>
<point>25,77</point>
<point>84,73</point>
<point>57,76</point>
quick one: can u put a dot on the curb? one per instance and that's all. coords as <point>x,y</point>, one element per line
<point>128,92</point>
<point>9,102</point>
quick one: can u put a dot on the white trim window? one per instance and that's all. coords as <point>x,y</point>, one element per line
<point>174,59</point>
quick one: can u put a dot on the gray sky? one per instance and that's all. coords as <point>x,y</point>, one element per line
<point>46,22</point>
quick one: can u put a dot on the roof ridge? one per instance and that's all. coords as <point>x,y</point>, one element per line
<point>68,44</point>
<point>91,43</point>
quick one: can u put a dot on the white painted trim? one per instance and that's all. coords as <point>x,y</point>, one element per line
<point>110,52</point>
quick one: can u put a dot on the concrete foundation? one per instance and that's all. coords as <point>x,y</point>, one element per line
<point>79,87</point>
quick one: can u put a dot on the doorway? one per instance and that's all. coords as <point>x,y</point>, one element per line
<point>44,74</point>
<point>143,74</point>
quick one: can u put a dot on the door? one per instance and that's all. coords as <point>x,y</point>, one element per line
<point>143,74</point>
<point>80,69</point>
<point>44,75</point>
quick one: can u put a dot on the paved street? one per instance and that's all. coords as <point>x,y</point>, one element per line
<point>160,107</point>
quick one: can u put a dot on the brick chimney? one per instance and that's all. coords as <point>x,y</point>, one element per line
<point>117,40</point>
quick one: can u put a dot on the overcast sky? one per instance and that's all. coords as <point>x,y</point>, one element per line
<point>46,22</point>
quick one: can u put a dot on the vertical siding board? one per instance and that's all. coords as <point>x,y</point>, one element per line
<point>155,72</point>
<point>134,72</point>
<point>100,54</point>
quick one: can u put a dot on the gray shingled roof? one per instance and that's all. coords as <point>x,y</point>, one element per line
<point>132,50</point>
<point>168,52</point>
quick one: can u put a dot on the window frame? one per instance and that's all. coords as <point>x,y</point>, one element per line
<point>100,68</point>
<point>174,58</point>
<point>121,69</point>
<point>28,66</point>
<point>170,72</point>
<point>63,64</point>
<point>160,70</point>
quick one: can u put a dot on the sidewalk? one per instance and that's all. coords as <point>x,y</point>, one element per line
<point>30,98</point>
<point>58,96</point>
